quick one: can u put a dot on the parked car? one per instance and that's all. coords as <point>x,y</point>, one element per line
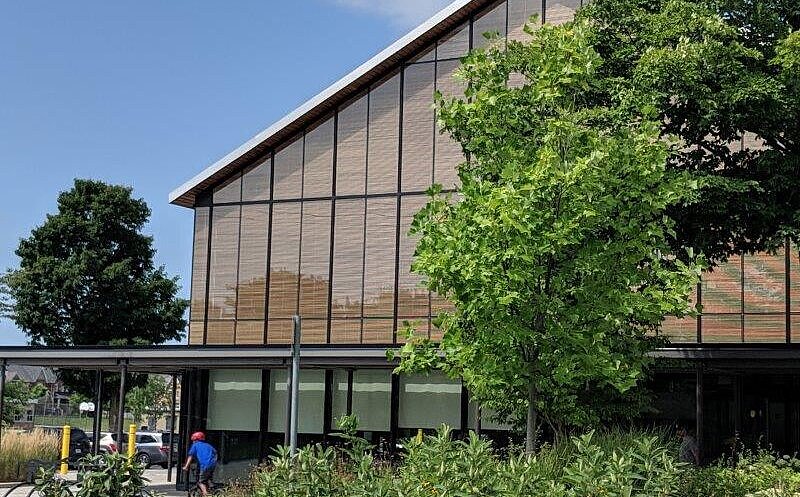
<point>80,444</point>
<point>107,443</point>
<point>150,449</point>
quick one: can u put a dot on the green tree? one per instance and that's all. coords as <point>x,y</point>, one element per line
<point>17,395</point>
<point>556,252</point>
<point>151,398</point>
<point>86,277</point>
<point>718,70</point>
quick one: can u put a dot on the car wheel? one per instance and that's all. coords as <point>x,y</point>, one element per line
<point>143,459</point>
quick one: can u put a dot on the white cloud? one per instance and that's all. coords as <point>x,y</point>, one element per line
<point>402,13</point>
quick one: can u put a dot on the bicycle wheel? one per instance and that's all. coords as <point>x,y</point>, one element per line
<point>195,492</point>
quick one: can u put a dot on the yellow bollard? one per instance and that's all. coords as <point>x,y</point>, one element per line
<point>419,436</point>
<point>65,434</point>
<point>131,441</point>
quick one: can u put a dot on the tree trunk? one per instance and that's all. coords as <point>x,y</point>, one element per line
<point>112,414</point>
<point>532,420</point>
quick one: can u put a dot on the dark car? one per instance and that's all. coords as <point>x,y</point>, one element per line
<point>80,444</point>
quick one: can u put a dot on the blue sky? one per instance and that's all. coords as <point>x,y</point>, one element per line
<point>147,93</point>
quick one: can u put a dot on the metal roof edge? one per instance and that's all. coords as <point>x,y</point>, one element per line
<point>176,195</point>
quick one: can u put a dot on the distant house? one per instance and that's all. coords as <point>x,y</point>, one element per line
<point>53,402</point>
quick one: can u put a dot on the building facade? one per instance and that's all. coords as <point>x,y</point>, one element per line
<point>311,217</point>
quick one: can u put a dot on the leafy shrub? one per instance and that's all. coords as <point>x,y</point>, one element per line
<point>17,448</point>
<point>100,476</point>
<point>644,465</point>
<point>753,474</point>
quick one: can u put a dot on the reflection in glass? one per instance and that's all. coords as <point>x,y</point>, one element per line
<point>318,168</point>
<point>284,261</point>
<point>418,127</point>
<point>384,137</point>
<point>315,259</point>
<point>351,149</point>
<point>224,256</point>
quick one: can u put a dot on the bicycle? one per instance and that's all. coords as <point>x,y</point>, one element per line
<point>194,487</point>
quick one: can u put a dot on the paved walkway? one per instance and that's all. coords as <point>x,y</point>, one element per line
<point>157,477</point>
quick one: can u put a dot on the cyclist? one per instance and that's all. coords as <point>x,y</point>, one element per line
<point>206,456</point>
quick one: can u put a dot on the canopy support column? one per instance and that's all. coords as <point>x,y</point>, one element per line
<point>98,412</point>
<point>173,432</point>
<point>123,378</point>
<point>2,395</point>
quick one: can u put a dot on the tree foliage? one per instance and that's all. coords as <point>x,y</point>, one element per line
<point>556,251</point>
<point>151,398</point>
<point>718,70</point>
<point>86,277</point>
<point>17,395</point>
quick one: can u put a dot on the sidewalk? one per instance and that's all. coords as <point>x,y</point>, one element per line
<point>157,477</point>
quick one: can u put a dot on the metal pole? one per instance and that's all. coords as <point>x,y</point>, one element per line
<point>295,386</point>
<point>123,377</point>
<point>2,396</point>
<point>98,413</point>
<point>171,427</point>
<point>699,410</point>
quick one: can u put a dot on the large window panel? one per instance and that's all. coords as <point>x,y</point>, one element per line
<point>338,397</point>
<point>346,331</point>
<point>315,259</point>
<point>418,127</point>
<point>202,216</point>
<point>455,45</point>
<point>351,149</point>
<point>348,258</point>
<point>314,331</point>
<point>256,181</point>
<point>561,11</point>
<point>318,169</point>
<point>519,13</point>
<point>280,331</point>
<point>493,21</point>
<point>288,175</point>
<point>253,262</point>
<point>384,136</point>
<point>197,332</point>
<point>765,328</point>
<point>722,328</point>
<point>429,401</point>
<point>765,283</point>
<point>284,260</point>
<point>378,331</point>
<point>722,288</point>
<point>220,333</point>
<point>794,278</point>
<point>224,261</point>
<point>379,261</point>
<point>234,399</point>
<point>312,401</point>
<point>372,391</point>
<point>250,332</point>
<point>680,330</point>
<point>229,191</point>
<point>413,298</point>
<point>448,155</point>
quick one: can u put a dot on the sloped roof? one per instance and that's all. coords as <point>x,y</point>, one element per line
<point>315,108</point>
<point>31,374</point>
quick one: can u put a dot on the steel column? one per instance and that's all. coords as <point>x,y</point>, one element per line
<point>97,423</point>
<point>295,386</point>
<point>699,410</point>
<point>123,378</point>
<point>172,430</point>
<point>2,395</point>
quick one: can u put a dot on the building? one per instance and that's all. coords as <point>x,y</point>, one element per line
<point>54,401</point>
<point>310,217</point>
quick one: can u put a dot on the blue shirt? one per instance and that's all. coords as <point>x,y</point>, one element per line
<point>205,454</point>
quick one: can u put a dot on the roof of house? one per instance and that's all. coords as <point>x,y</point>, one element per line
<point>31,374</point>
<point>315,108</point>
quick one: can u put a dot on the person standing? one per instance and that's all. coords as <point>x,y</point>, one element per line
<point>206,456</point>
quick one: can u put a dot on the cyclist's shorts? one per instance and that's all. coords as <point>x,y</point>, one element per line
<point>206,475</point>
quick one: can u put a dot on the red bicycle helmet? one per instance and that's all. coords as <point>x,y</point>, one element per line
<point>198,435</point>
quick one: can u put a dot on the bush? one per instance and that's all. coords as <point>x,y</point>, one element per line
<point>644,465</point>
<point>753,474</point>
<point>17,448</point>
<point>100,476</point>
